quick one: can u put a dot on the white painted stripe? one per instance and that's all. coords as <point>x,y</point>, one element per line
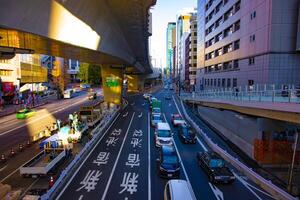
<point>149,160</point>
<point>3,168</point>
<point>202,145</point>
<point>68,183</point>
<point>177,106</point>
<point>30,186</point>
<point>43,116</point>
<point>117,160</point>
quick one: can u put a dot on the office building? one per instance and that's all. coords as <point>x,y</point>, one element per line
<point>171,42</point>
<point>248,44</point>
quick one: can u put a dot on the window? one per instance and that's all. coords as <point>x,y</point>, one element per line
<point>228,82</point>
<point>5,72</point>
<point>234,82</point>
<point>252,38</point>
<point>195,33</point>
<point>227,65</point>
<point>211,82</point>
<point>228,31</point>
<point>237,6</point>
<point>237,25</point>
<point>194,49</point>
<point>219,82</point>
<point>228,14</point>
<point>195,25</point>
<point>218,7</point>
<point>227,48</point>
<point>253,15</point>
<point>223,82</point>
<point>195,57</point>
<point>251,60</point>
<point>225,1</point>
<point>195,41</point>
<point>236,64</point>
<point>236,44</point>
<point>218,37</point>
<point>218,22</point>
<point>215,82</point>
<point>218,52</point>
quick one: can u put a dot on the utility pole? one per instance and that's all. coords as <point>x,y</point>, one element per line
<point>293,162</point>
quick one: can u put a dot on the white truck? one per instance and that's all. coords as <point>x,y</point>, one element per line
<point>42,163</point>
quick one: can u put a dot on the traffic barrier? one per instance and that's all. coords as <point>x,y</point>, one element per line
<point>267,185</point>
<point>66,173</point>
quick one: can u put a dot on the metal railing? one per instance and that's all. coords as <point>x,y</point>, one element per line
<point>284,96</point>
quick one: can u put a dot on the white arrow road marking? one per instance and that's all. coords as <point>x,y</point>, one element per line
<point>170,105</point>
<point>248,186</point>
<point>132,104</point>
<point>125,115</point>
<point>3,168</point>
<point>81,197</point>
<point>140,115</point>
<point>218,193</point>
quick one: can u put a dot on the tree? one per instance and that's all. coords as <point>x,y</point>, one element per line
<point>90,73</point>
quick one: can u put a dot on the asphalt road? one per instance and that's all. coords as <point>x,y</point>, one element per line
<point>14,131</point>
<point>122,165</point>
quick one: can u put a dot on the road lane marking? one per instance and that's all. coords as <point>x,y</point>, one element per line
<point>132,104</point>
<point>140,115</point>
<point>149,160</point>
<point>77,170</point>
<point>44,116</point>
<point>117,160</point>
<point>218,193</point>
<point>202,145</point>
<point>3,168</point>
<point>125,115</point>
<point>247,185</point>
<point>30,186</point>
<point>81,197</point>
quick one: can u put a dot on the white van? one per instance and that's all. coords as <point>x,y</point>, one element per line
<point>163,135</point>
<point>68,93</point>
<point>177,190</point>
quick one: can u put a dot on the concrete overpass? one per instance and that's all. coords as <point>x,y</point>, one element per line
<point>111,33</point>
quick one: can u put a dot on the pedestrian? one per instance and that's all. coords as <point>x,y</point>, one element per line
<point>236,91</point>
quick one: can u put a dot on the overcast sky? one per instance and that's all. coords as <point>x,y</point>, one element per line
<point>163,12</point>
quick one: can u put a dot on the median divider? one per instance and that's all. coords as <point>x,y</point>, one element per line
<point>67,173</point>
<point>267,185</point>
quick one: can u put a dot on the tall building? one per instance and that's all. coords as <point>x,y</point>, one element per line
<point>183,26</point>
<point>171,42</point>
<point>248,44</point>
<point>193,52</point>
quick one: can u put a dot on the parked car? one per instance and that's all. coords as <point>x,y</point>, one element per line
<point>25,113</point>
<point>177,189</point>
<point>186,134</point>
<point>168,165</point>
<point>156,111</point>
<point>156,118</point>
<point>177,119</point>
<point>215,167</point>
<point>163,135</point>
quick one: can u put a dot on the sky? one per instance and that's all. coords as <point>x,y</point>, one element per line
<point>163,12</point>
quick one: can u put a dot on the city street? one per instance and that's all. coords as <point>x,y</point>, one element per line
<point>122,165</point>
<point>15,131</point>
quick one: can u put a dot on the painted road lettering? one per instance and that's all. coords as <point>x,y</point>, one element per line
<point>90,181</point>
<point>129,183</point>
<point>102,158</point>
<point>133,160</point>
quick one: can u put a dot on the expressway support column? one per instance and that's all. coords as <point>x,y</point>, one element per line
<point>112,81</point>
<point>133,83</point>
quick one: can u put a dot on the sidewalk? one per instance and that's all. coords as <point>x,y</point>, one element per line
<point>10,109</point>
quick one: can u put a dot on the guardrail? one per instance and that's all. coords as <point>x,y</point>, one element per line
<point>284,96</point>
<point>267,185</point>
<point>66,173</point>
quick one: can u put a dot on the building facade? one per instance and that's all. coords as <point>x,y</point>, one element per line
<point>171,42</point>
<point>247,44</point>
<point>183,26</point>
<point>193,52</point>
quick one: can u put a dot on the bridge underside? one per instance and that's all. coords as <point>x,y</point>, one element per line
<point>113,32</point>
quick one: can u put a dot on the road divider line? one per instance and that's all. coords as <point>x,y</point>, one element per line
<point>117,160</point>
<point>149,160</point>
<point>30,186</point>
<point>77,170</point>
<point>3,168</point>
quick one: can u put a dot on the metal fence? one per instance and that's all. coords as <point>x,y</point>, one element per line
<point>284,96</point>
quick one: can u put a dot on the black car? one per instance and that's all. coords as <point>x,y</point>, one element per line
<point>168,165</point>
<point>215,167</point>
<point>186,134</point>
<point>168,97</point>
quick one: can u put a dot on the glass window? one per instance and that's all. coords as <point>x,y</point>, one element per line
<point>214,163</point>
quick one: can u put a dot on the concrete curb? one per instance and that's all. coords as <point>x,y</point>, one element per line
<point>267,185</point>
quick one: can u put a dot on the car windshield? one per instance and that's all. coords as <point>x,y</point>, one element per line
<point>216,163</point>
<point>156,110</point>
<point>156,117</point>
<point>163,133</point>
<point>170,159</point>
